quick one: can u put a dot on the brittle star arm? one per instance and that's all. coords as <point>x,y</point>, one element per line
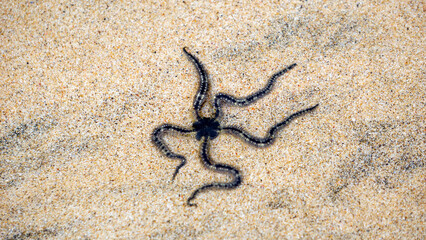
<point>251,98</point>
<point>159,143</point>
<point>271,135</point>
<point>200,97</point>
<point>218,167</point>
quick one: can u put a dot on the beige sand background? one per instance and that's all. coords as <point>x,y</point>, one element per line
<point>83,85</point>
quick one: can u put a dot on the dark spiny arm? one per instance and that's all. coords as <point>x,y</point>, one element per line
<point>217,167</point>
<point>251,98</point>
<point>200,97</point>
<point>158,142</point>
<point>271,135</point>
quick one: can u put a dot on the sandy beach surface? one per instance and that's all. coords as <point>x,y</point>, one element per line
<point>84,85</point>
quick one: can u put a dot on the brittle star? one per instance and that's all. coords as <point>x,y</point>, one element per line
<point>208,128</point>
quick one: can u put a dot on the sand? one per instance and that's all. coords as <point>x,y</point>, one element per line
<point>83,85</point>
